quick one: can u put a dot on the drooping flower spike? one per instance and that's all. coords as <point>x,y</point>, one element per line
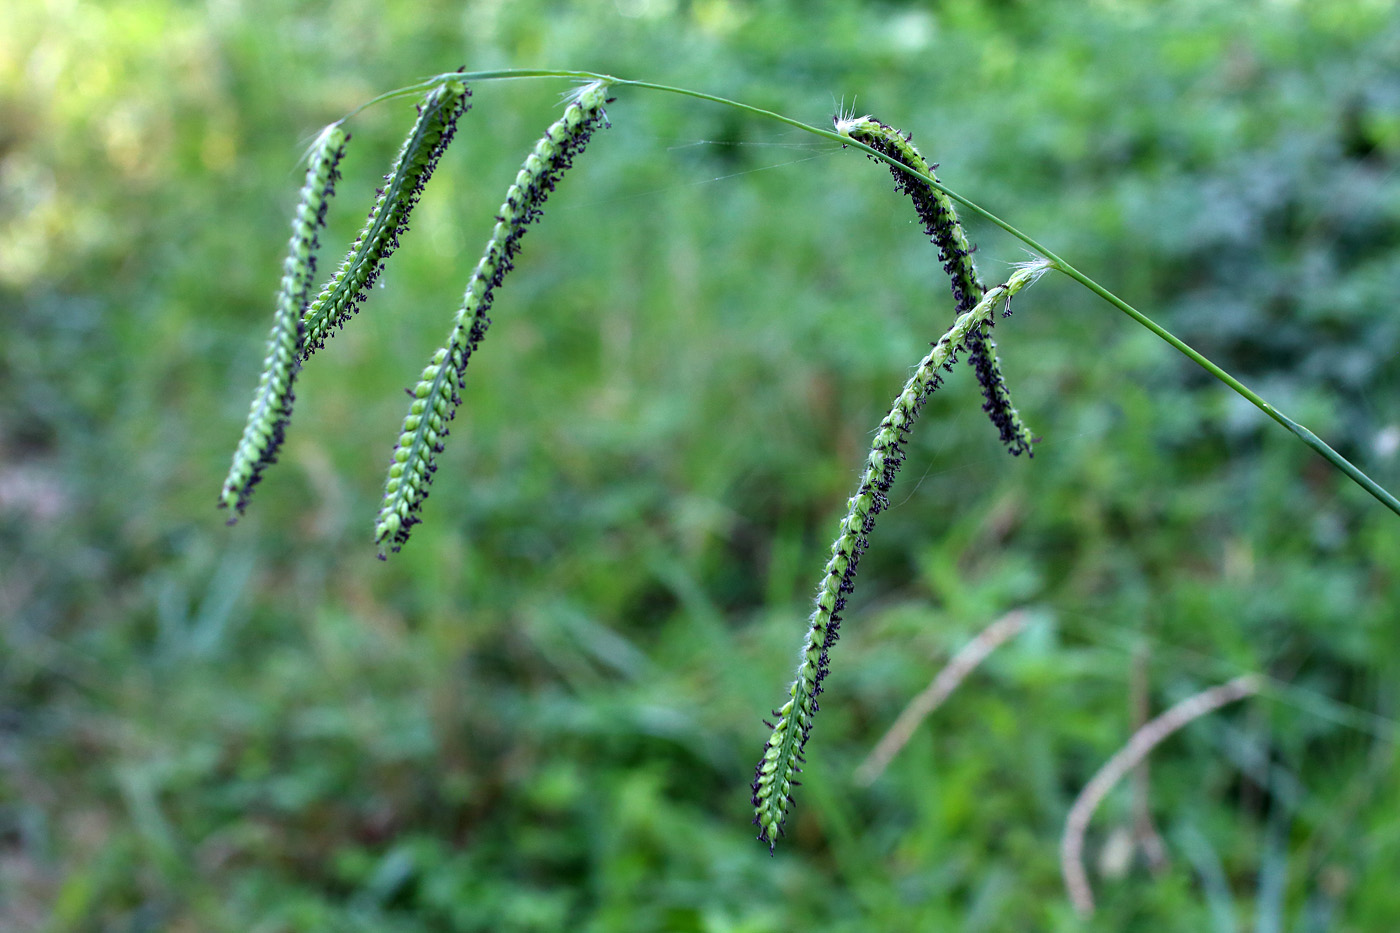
<point>775,775</point>
<point>272,402</point>
<point>435,397</point>
<point>940,220</point>
<point>342,295</point>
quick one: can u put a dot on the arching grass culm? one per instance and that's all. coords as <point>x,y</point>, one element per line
<point>302,325</point>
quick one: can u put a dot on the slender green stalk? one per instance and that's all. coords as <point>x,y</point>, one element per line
<point>1302,433</point>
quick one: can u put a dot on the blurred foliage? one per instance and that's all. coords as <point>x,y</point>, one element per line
<point>544,713</point>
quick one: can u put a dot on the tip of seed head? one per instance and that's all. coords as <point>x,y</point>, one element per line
<point>1033,269</point>
<point>846,123</point>
<point>590,96</point>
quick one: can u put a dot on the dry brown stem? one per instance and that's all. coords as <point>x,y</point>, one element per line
<point>1123,761</point>
<point>947,680</point>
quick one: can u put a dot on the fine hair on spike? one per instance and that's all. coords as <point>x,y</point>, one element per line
<point>435,397</point>
<point>272,402</point>
<point>343,293</point>
<point>941,222</point>
<point>775,773</point>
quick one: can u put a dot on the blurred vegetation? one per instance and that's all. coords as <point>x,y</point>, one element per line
<point>545,712</point>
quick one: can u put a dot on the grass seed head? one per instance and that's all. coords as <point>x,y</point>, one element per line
<point>272,402</point>
<point>941,222</point>
<point>436,394</point>
<point>346,290</point>
<point>775,774</point>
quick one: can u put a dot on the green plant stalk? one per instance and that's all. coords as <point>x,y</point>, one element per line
<point>1316,443</point>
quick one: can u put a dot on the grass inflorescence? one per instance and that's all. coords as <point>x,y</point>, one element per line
<point>775,774</point>
<point>940,219</point>
<point>300,328</point>
<point>272,402</point>
<point>435,397</point>
<point>388,219</point>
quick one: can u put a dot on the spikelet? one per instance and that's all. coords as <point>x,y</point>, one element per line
<point>342,295</point>
<point>940,219</point>
<point>782,756</point>
<point>435,397</point>
<point>272,402</point>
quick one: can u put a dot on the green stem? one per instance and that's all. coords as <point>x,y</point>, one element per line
<point>1303,434</point>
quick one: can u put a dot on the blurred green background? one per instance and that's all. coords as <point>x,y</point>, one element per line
<point>544,713</point>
